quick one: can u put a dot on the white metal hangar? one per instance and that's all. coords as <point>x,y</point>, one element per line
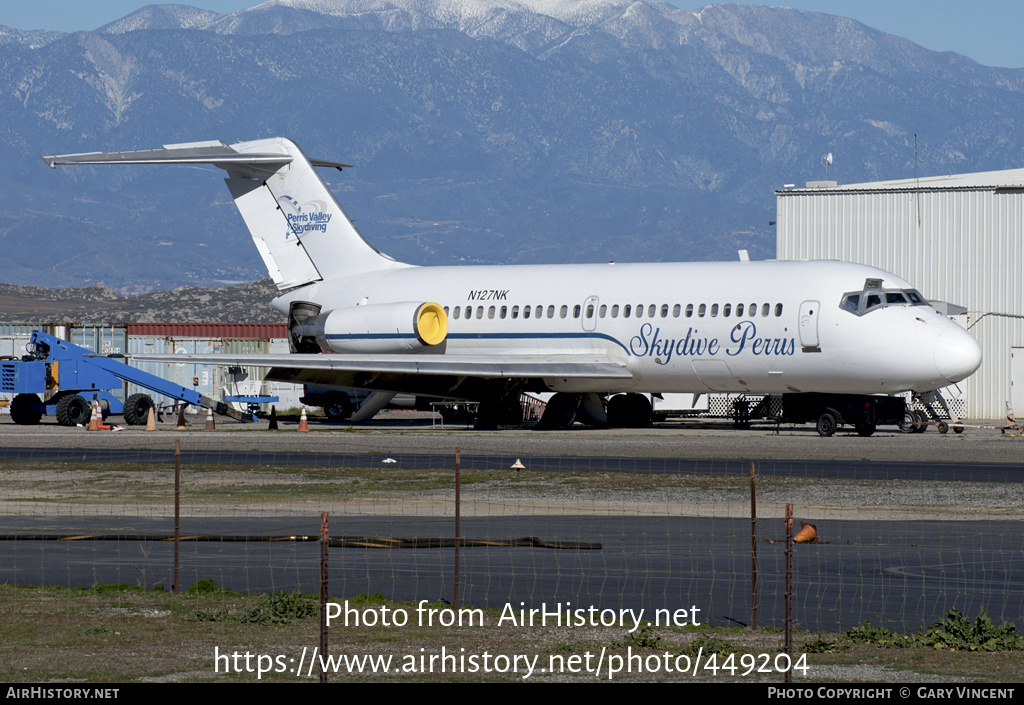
<point>959,239</point>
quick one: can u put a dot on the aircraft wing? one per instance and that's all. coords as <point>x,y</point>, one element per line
<point>413,373</point>
<point>484,366</point>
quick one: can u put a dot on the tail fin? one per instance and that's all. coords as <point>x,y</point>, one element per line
<point>300,230</point>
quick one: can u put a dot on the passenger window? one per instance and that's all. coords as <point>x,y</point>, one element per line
<point>603,310</point>
<point>551,311</point>
<point>526,311</point>
<point>753,310</point>
<point>639,310</point>
<point>739,310</point>
<point>479,311</point>
<point>576,311</point>
<point>515,312</point>
<point>714,310</point>
<point>504,311</point>
<point>689,310</point>
<point>664,310</point>
<point>778,310</point>
<point>564,311</point>
<point>764,310</point>
<point>456,312</point>
<point>701,310</point>
<point>538,312</point>
<point>590,310</point>
<point>650,310</point>
<point>676,310</point>
<point>726,310</point>
<point>615,310</point>
<point>490,312</point>
<point>626,310</point>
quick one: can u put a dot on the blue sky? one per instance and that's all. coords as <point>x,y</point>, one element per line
<point>988,31</point>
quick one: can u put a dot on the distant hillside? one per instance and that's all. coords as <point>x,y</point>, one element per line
<point>244,303</point>
<point>482,131</point>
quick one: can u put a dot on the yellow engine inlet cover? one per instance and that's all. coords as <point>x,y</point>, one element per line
<point>431,323</point>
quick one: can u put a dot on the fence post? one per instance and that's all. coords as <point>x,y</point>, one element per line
<point>324,543</point>
<point>177,513</point>
<point>789,593</point>
<point>458,482</point>
<point>753,548</point>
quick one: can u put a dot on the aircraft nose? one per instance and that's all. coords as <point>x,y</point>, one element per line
<point>957,354</point>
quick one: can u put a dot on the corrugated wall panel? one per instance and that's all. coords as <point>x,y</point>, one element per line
<point>959,245</point>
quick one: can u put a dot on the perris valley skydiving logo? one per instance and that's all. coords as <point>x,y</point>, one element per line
<point>650,343</point>
<point>305,217</point>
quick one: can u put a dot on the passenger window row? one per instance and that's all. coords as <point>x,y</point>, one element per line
<point>616,311</point>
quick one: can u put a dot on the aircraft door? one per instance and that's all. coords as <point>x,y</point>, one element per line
<point>809,326</point>
<point>588,316</point>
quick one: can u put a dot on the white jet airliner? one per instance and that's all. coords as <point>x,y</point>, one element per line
<point>592,332</point>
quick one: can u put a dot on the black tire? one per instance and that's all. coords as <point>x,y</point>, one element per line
<point>826,425</point>
<point>24,409</point>
<point>73,410</point>
<point>337,407</point>
<point>922,419</point>
<point>908,423</point>
<point>865,429</point>
<point>560,412</point>
<point>136,409</point>
<point>629,411</point>
<point>958,429</point>
<point>943,427</point>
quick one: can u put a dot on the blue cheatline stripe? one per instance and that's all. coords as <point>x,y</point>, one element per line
<point>585,335</point>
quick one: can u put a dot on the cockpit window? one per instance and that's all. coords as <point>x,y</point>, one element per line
<point>873,297</point>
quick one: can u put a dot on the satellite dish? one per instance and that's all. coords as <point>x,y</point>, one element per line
<point>827,161</point>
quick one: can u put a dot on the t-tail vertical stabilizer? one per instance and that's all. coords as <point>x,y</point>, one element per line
<point>300,230</point>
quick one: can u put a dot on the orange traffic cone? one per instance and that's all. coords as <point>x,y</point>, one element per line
<point>151,420</point>
<point>273,419</point>
<point>94,421</point>
<point>808,533</point>
<point>303,421</point>
<point>209,420</point>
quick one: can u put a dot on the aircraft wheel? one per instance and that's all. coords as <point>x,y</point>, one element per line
<point>629,411</point>
<point>826,425</point>
<point>136,409</point>
<point>560,412</point>
<point>24,409</point>
<point>338,407</point>
<point>73,410</point>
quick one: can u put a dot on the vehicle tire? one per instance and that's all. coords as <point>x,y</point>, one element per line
<point>908,423</point>
<point>958,429</point>
<point>826,425</point>
<point>865,429</point>
<point>922,419</point>
<point>943,427</point>
<point>73,410</point>
<point>337,407</point>
<point>24,411</point>
<point>136,409</point>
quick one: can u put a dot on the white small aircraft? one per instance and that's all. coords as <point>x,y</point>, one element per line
<point>600,335</point>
